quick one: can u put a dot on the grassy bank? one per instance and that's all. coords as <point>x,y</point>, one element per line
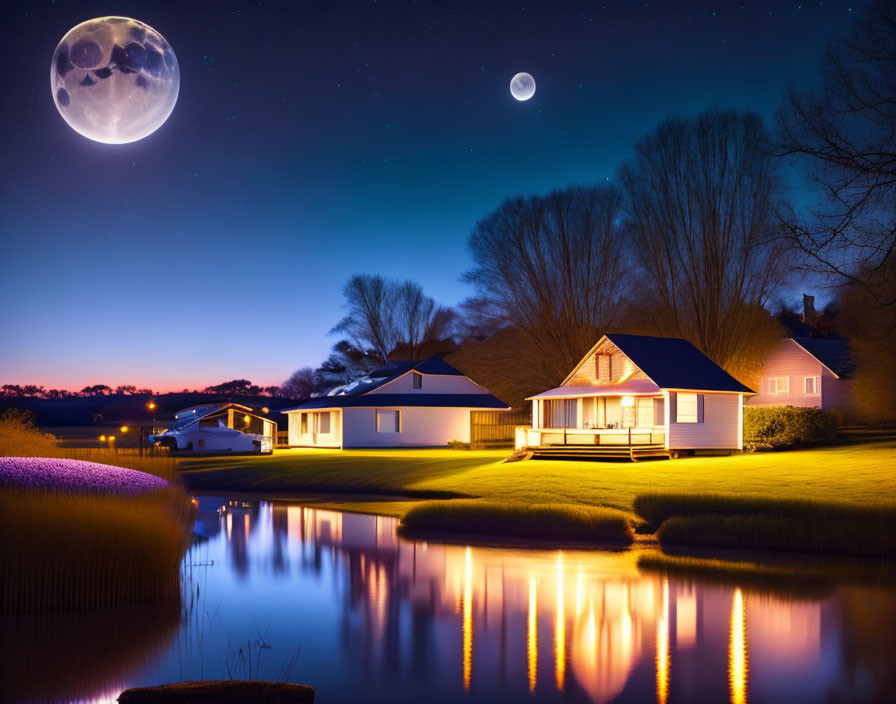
<point>557,522</point>
<point>771,524</point>
<point>860,473</point>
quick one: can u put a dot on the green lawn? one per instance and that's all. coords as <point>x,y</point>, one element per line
<point>863,472</point>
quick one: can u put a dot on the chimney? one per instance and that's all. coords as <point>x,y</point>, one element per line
<point>809,314</point>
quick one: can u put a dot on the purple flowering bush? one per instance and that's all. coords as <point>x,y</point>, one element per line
<point>53,474</point>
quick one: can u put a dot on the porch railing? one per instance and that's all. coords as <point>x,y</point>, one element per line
<point>625,437</point>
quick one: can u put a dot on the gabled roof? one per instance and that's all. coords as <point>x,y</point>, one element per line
<point>836,355</point>
<point>410,400</point>
<point>673,363</point>
<point>383,375</point>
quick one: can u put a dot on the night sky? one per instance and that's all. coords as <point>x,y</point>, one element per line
<point>311,142</point>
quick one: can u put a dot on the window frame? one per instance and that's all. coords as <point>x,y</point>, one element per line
<point>780,389</point>
<point>678,407</point>
<point>397,412</point>
<point>303,422</point>
<point>816,384</point>
<point>416,380</point>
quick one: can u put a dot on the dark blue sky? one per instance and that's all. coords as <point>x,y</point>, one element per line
<point>311,142</point>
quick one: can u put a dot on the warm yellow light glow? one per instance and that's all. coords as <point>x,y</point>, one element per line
<point>468,619</point>
<point>265,409</point>
<point>102,438</point>
<point>737,651</point>
<point>580,592</point>
<point>532,649</point>
<point>628,401</point>
<point>111,438</point>
<point>560,630</point>
<point>124,429</point>
<point>246,419</point>
<point>151,405</point>
<point>662,649</point>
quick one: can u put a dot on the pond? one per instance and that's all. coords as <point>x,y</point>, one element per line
<point>278,590</point>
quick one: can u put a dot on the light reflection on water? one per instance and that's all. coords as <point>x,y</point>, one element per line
<point>377,618</point>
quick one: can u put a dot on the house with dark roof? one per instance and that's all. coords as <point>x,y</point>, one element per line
<point>807,372</point>
<point>403,404</point>
<point>636,395</point>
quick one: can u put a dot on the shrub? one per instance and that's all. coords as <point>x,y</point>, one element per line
<point>572,522</point>
<point>458,445</point>
<point>786,426</point>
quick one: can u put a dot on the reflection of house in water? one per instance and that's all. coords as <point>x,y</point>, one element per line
<point>521,621</point>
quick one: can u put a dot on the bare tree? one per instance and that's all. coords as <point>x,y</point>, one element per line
<point>384,313</point>
<point>551,267</point>
<point>301,384</point>
<point>702,199</point>
<point>844,138</point>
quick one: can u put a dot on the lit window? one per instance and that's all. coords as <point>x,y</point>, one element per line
<point>810,386</point>
<point>323,422</point>
<point>304,423</point>
<point>778,385</point>
<point>687,408</point>
<point>388,421</point>
<point>418,380</point>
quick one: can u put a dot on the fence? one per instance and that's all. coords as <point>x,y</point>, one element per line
<point>495,428</point>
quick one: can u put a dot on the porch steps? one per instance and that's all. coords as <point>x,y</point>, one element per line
<point>598,452</point>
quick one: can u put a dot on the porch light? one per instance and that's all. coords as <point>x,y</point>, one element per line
<point>628,401</point>
<point>151,405</point>
<point>246,419</point>
<point>124,429</point>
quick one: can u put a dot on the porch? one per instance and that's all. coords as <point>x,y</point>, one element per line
<point>631,443</point>
<point>602,423</point>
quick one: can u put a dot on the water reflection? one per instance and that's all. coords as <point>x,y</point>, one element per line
<point>377,618</point>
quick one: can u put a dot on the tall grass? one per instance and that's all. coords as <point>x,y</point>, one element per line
<point>762,523</point>
<point>63,551</point>
<point>533,522</point>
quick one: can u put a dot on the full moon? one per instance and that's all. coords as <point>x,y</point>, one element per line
<point>114,80</point>
<point>522,86</point>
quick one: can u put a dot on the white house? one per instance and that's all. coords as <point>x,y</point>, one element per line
<point>807,372</point>
<point>404,404</point>
<point>634,395</point>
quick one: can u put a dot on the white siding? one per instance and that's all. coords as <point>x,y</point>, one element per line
<point>420,427</point>
<point>432,384</point>
<point>719,429</point>
<point>311,439</point>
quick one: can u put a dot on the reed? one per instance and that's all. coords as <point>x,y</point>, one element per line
<point>64,551</point>
<point>527,521</point>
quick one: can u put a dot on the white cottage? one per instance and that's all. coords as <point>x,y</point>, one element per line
<point>809,373</point>
<point>634,396</point>
<point>404,404</point>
